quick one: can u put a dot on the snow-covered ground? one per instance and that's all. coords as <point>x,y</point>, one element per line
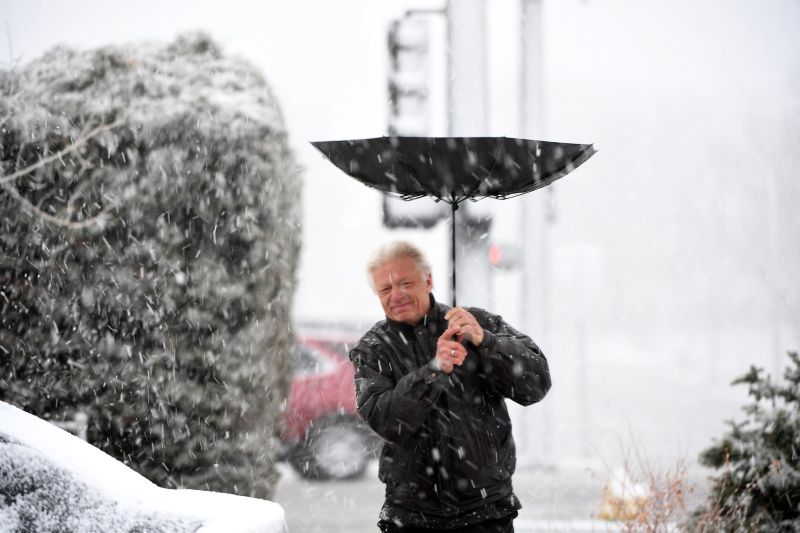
<point>51,480</point>
<point>554,499</point>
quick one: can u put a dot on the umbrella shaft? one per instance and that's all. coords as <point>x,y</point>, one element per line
<point>453,248</point>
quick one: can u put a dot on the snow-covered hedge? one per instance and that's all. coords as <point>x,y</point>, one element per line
<point>52,482</point>
<point>149,234</point>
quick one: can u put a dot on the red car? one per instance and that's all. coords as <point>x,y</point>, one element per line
<point>324,437</point>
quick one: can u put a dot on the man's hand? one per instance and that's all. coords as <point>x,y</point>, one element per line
<point>449,353</point>
<point>468,327</point>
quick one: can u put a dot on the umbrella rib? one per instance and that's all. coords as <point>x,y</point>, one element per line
<point>563,171</point>
<point>478,186</point>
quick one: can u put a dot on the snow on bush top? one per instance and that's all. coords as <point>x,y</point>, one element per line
<point>51,481</point>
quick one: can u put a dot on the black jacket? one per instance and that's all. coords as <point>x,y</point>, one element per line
<point>449,449</point>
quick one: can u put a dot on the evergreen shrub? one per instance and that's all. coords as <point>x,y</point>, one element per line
<point>149,236</point>
<point>756,486</point>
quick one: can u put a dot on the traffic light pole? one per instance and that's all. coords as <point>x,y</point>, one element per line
<point>468,116</point>
<point>537,428</point>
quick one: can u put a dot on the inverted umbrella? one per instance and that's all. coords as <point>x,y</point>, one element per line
<point>454,169</point>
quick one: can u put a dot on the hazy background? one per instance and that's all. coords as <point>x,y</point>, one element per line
<point>674,252</point>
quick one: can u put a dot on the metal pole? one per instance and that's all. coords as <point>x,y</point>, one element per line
<point>467,62</point>
<point>453,248</point>
<point>467,67</point>
<point>537,428</point>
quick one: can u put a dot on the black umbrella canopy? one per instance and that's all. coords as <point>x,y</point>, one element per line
<point>453,169</point>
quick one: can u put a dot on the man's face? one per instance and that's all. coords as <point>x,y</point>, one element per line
<point>403,290</point>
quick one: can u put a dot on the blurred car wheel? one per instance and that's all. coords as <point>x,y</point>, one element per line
<point>334,448</point>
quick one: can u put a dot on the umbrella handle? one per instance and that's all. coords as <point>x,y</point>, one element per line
<point>454,206</point>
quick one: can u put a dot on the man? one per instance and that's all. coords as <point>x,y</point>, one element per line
<point>431,380</point>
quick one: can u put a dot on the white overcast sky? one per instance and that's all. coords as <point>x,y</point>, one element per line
<point>674,257</point>
<point>650,82</point>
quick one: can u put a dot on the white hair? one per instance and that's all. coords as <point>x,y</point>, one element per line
<point>393,251</point>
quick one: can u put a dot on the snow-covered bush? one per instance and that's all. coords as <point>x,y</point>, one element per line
<point>40,497</point>
<point>149,233</point>
<point>53,482</point>
<point>757,485</point>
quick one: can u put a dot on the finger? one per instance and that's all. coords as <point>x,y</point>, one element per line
<point>455,320</point>
<point>464,326</point>
<point>449,349</point>
<point>468,330</point>
<point>457,311</point>
<point>464,330</point>
<point>457,355</point>
<point>450,331</point>
<point>459,319</point>
<point>464,322</point>
<point>458,347</point>
<point>451,356</point>
<point>470,323</point>
<point>453,311</point>
<point>464,318</point>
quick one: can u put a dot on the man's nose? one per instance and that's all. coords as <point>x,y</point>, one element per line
<point>397,293</point>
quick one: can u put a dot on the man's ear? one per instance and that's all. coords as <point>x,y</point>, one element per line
<point>429,281</point>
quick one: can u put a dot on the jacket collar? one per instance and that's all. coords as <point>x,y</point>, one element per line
<point>435,312</point>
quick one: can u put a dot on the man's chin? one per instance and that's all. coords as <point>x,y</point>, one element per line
<point>407,317</point>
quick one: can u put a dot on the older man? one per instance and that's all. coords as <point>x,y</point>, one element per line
<point>431,380</point>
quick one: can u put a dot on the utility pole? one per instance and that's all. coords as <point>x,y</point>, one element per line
<point>536,216</point>
<point>468,116</point>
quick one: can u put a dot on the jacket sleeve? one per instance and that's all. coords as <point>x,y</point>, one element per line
<point>512,364</point>
<point>394,410</point>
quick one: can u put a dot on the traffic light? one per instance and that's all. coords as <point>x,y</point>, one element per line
<point>409,39</point>
<point>505,256</point>
<point>420,213</point>
<point>408,84</point>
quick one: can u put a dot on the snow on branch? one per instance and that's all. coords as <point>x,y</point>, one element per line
<point>77,143</point>
<point>98,220</point>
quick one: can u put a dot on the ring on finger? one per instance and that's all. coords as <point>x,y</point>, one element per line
<point>453,352</point>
